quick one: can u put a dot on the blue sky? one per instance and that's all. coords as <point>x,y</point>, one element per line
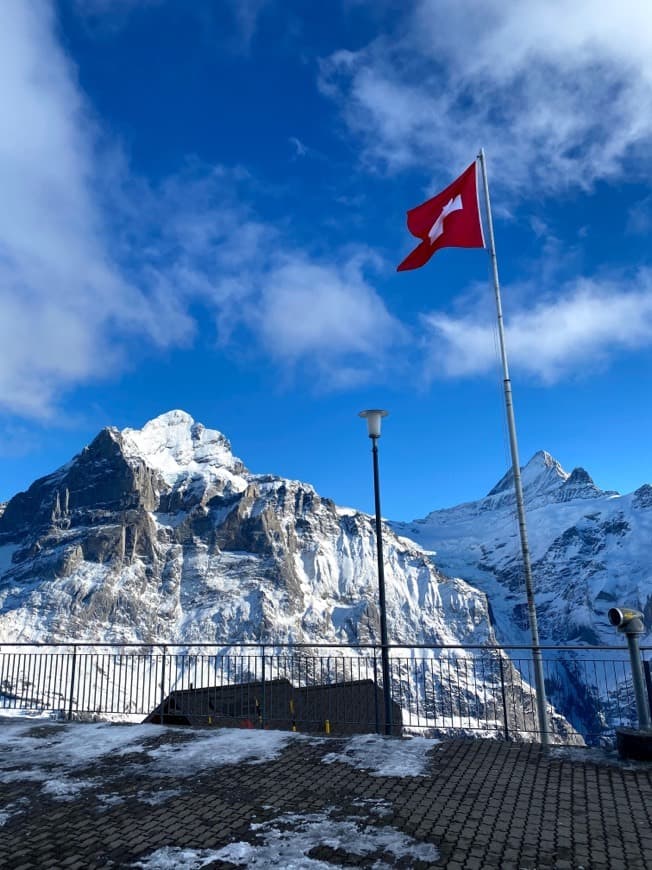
<point>204,206</point>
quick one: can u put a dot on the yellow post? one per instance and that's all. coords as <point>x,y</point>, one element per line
<point>327,726</point>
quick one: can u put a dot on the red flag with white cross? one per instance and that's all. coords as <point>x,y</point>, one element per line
<point>449,220</point>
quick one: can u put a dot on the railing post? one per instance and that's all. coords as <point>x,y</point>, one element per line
<point>376,715</point>
<point>163,685</point>
<point>638,681</point>
<point>648,684</point>
<point>262,701</point>
<point>72,681</point>
<point>504,696</point>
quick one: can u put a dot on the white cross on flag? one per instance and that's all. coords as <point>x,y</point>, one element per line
<point>449,220</point>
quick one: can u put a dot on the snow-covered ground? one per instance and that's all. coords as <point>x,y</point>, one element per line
<point>65,749</point>
<point>63,759</point>
<point>287,842</point>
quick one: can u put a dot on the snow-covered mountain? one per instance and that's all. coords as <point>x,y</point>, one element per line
<point>591,550</point>
<point>162,534</point>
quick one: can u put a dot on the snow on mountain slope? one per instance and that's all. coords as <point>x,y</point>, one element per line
<point>590,551</point>
<point>161,533</point>
<point>182,450</point>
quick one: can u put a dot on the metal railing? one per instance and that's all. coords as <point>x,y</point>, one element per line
<point>435,689</point>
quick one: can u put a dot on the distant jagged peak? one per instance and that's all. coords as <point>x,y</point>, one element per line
<point>542,473</point>
<point>545,481</point>
<point>580,484</point>
<point>642,497</point>
<point>174,443</point>
<point>579,475</point>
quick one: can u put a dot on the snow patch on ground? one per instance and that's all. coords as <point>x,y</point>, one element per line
<point>219,747</point>
<point>66,789</point>
<point>159,797</point>
<point>111,800</point>
<point>594,755</point>
<point>173,858</point>
<point>12,809</point>
<point>26,714</point>
<point>54,753</point>
<point>71,747</point>
<point>376,806</point>
<point>288,840</point>
<point>385,756</point>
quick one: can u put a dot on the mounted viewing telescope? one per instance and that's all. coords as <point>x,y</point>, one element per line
<point>632,742</point>
<point>627,620</point>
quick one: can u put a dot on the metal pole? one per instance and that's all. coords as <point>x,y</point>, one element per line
<point>516,468</point>
<point>72,682</point>
<point>504,697</point>
<point>263,685</point>
<point>638,681</point>
<point>376,716</point>
<point>384,644</point>
<point>163,685</point>
<point>648,683</point>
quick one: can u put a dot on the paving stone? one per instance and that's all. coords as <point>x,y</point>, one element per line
<point>487,804</point>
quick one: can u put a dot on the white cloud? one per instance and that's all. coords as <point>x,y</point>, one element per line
<point>590,322</point>
<point>558,93</point>
<point>326,314</point>
<point>316,313</point>
<point>60,294</point>
<point>93,260</point>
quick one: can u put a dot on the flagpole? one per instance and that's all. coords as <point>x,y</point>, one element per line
<point>516,468</point>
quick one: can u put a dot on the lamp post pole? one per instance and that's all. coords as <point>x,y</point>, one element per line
<point>373,418</point>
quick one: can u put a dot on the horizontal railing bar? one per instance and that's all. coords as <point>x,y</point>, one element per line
<point>315,644</point>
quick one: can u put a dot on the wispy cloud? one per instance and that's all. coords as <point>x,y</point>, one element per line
<point>583,328</point>
<point>301,309</point>
<point>326,312</point>
<point>61,296</point>
<point>639,218</point>
<point>300,150</point>
<point>107,16</point>
<point>560,94</point>
<point>247,15</point>
<point>96,265</point>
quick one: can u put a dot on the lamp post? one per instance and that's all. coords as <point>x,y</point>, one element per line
<point>373,418</point>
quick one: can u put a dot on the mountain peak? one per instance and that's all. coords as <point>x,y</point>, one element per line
<point>543,459</point>
<point>541,474</point>
<point>174,443</point>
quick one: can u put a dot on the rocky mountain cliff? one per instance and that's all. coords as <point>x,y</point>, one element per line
<point>590,551</point>
<point>162,534</point>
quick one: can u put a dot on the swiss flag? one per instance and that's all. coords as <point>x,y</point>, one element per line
<point>449,220</point>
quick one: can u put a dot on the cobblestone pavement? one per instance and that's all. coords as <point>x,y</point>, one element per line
<point>481,803</point>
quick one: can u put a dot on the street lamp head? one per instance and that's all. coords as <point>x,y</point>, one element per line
<point>373,418</point>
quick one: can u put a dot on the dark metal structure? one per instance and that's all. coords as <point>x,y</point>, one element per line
<point>340,708</point>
